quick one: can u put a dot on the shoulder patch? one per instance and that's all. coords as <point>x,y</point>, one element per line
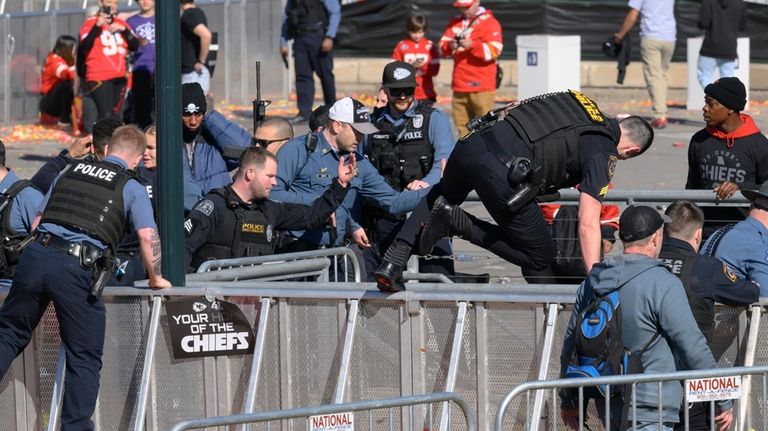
<point>611,166</point>
<point>205,207</point>
<point>729,273</point>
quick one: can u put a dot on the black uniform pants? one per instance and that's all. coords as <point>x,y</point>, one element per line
<point>102,100</point>
<point>522,238</point>
<point>142,98</point>
<point>307,59</point>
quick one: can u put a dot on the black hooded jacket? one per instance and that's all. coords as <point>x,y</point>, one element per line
<point>721,20</point>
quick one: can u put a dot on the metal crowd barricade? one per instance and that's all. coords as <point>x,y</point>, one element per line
<point>323,343</point>
<point>552,386</point>
<point>357,406</point>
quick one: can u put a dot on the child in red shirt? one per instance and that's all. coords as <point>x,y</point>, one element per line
<point>422,54</point>
<point>58,77</point>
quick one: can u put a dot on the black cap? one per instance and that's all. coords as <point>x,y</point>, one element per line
<point>192,98</point>
<point>611,49</point>
<point>318,117</point>
<point>730,92</point>
<point>398,74</point>
<point>639,222</point>
<point>758,197</point>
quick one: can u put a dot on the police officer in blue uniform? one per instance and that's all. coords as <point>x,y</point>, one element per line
<point>79,225</point>
<point>744,246</point>
<point>305,170</point>
<point>239,220</point>
<point>706,280</point>
<point>19,201</point>
<point>543,144</point>
<point>312,24</point>
<point>413,143</point>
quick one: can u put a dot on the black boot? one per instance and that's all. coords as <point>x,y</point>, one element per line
<point>389,275</point>
<point>444,220</point>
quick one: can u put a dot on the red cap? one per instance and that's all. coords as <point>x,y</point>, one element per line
<point>463,3</point>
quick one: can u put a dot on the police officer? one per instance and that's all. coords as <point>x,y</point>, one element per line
<point>413,143</point>
<point>19,201</point>
<point>99,198</point>
<point>239,220</point>
<point>304,172</point>
<point>545,143</point>
<point>312,24</point>
<point>706,280</point>
<point>744,246</point>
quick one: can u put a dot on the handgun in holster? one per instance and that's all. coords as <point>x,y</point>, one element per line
<point>102,265</point>
<point>524,178</point>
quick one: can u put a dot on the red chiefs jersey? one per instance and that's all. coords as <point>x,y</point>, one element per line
<point>424,50</point>
<point>106,60</point>
<point>474,69</point>
<point>55,70</point>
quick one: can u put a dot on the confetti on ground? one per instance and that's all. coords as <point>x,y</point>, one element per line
<point>679,144</point>
<point>29,133</point>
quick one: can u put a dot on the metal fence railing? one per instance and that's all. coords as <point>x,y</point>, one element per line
<point>330,343</point>
<point>551,387</point>
<point>361,422</point>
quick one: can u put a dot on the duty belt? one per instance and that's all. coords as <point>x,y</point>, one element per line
<point>61,244</point>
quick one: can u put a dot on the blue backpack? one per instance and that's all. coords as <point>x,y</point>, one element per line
<point>598,346</point>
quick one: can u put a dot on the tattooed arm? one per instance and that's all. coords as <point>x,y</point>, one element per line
<point>149,244</point>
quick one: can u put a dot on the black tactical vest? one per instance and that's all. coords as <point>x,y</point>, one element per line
<point>89,198</point>
<point>306,16</point>
<point>9,257</point>
<point>244,231</point>
<point>551,125</point>
<point>402,154</point>
<point>681,262</point>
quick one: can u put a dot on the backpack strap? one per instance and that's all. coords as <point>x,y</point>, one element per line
<point>5,208</point>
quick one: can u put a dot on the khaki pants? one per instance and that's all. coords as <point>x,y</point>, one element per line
<point>656,55</point>
<point>467,106</point>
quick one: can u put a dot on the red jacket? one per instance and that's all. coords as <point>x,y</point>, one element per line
<point>106,60</point>
<point>409,51</point>
<point>474,69</point>
<point>55,70</point>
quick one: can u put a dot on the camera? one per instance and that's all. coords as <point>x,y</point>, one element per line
<point>107,11</point>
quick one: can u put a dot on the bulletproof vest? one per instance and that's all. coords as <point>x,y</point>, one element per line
<point>551,125</point>
<point>89,198</point>
<point>307,14</point>
<point>244,231</point>
<point>9,258</point>
<point>402,154</point>
<point>682,263</point>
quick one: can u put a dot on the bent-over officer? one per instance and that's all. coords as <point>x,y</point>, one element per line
<point>543,144</point>
<point>79,225</point>
<point>239,220</point>
<point>706,280</point>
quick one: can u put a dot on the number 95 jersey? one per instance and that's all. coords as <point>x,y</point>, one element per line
<point>106,59</point>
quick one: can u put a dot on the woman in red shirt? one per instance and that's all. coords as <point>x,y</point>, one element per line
<point>58,77</point>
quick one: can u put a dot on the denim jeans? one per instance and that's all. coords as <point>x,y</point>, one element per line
<point>654,426</point>
<point>707,65</point>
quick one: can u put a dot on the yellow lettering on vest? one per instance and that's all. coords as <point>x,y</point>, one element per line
<point>253,228</point>
<point>589,106</point>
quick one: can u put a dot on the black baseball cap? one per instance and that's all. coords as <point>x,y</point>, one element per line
<point>758,197</point>
<point>398,74</point>
<point>639,222</point>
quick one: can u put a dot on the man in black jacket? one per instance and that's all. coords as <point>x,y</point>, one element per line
<point>706,280</point>
<point>721,20</point>
<point>239,220</point>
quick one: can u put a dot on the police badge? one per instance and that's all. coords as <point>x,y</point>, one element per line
<point>418,121</point>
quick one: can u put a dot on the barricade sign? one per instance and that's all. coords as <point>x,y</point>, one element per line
<point>332,422</point>
<point>201,328</point>
<point>713,389</point>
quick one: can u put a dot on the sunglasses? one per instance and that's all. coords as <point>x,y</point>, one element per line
<point>401,92</point>
<point>266,142</point>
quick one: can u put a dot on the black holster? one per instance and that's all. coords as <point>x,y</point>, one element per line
<point>102,265</point>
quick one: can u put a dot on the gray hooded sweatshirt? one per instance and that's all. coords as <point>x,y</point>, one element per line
<point>652,300</point>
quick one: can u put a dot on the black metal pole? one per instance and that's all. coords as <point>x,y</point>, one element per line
<point>171,183</point>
